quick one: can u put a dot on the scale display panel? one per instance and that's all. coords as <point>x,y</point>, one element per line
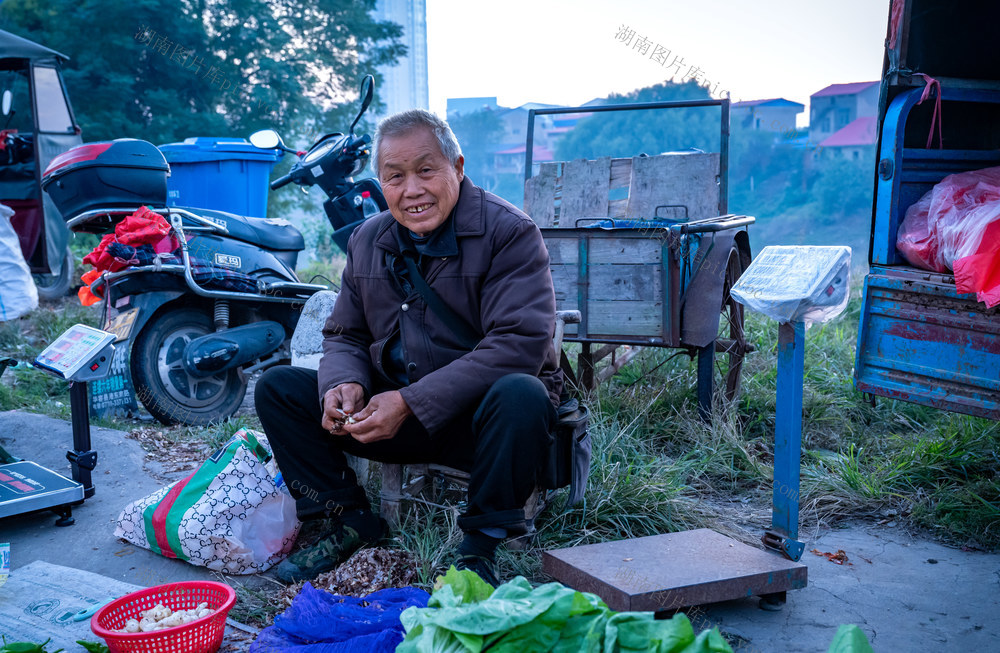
<point>27,486</point>
<point>78,352</point>
<point>803,283</point>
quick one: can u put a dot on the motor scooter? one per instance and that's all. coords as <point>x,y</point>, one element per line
<point>200,318</point>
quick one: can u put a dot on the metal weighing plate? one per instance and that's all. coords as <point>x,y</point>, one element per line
<point>671,571</point>
<point>26,486</point>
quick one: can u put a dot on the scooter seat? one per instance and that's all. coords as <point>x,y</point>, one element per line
<point>266,233</point>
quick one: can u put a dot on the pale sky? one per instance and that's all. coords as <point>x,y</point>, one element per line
<point>566,52</point>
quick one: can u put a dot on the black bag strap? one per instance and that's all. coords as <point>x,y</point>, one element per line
<point>467,336</point>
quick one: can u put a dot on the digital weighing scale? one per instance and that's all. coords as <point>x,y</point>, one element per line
<point>672,571</point>
<point>79,355</point>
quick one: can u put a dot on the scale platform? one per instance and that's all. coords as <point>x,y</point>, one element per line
<point>673,571</point>
<point>26,487</point>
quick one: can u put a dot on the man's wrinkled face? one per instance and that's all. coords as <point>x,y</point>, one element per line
<point>420,184</point>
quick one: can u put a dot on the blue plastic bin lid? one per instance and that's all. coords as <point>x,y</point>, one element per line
<point>210,148</point>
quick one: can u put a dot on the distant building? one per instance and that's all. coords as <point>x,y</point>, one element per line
<point>460,106</point>
<point>838,105</point>
<point>854,141</point>
<point>548,127</point>
<point>508,151</point>
<point>510,160</point>
<point>774,115</point>
<point>404,85</point>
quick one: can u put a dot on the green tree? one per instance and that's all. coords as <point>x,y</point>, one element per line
<point>766,172</point>
<point>844,186</point>
<point>163,70</point>
<point>479,133</point>
<point>629,133</point>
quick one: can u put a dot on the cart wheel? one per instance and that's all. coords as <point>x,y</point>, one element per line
<point>720,363</point>
<point>732,340</point>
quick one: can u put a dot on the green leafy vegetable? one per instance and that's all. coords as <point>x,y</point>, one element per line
<point>26,647</point>
<point>850,639</point>
<point>466,615</point>
<point>465,585</point>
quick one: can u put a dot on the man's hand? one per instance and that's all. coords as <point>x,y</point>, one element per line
<point>381,418</point>
<point>339,402</point>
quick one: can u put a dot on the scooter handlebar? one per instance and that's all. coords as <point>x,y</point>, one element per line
<point>281,181</point>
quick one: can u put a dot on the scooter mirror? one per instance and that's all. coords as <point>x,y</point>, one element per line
<point>266,139</point>
<point>8,98</point>
<point>367,90</point>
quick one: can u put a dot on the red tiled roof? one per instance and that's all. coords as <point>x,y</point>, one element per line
<point>776,101</point>
<point>859,132</point>
<point>843,89</point>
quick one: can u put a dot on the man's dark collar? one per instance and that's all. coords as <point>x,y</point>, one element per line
<point>439,243</point>
<point>468,217</point>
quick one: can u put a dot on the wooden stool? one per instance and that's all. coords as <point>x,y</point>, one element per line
<point>407,482</point>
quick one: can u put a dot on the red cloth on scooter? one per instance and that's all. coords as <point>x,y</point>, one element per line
<point>100,259</point>
<point>144,227</point>
<point>88,298</point>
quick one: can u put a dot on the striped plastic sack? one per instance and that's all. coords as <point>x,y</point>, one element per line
<point>228,516</point>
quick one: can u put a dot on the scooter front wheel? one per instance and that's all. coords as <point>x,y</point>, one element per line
<point>164,386</point>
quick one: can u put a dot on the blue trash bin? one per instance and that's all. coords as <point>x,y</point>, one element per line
<point>227,174</point>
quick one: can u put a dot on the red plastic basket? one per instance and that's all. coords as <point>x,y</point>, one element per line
<point>200,636</point>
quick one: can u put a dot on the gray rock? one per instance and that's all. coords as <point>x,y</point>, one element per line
<point>307,349</point>
<point>307,341</point>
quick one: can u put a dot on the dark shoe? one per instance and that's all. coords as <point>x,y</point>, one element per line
<point>330,551</point>
<point>481,566</point>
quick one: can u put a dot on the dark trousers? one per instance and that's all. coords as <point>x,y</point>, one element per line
<point>502,444</point>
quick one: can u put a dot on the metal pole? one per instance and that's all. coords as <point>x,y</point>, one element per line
<point>724,160</point>
<point>529,147</point>
<point>82,459</point>
<point>788,439</point>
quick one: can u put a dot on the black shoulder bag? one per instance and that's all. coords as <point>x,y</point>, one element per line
<point>466,334</point>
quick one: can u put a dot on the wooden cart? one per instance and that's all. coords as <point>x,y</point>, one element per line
<point>653,268</point>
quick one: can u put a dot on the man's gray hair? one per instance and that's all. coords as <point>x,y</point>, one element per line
<point>405,121</point>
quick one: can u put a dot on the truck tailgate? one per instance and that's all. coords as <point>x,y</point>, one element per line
<point>920,341</point>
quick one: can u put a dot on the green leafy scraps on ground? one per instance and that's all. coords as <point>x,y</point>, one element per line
<point>466,614</point>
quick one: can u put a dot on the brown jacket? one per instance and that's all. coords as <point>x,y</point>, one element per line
<point>499,283</point>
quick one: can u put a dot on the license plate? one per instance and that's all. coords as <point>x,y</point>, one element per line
<point>121,324</point>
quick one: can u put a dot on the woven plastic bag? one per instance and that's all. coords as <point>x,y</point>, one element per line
<point>18,294</point>
<point>229,515</point>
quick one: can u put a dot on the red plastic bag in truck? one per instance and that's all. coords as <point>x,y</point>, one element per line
<point>956,227</point>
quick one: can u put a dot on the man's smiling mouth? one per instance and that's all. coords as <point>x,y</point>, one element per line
<point>418,209</point>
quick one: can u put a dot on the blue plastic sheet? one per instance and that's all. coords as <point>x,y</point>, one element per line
<point>320,622</point>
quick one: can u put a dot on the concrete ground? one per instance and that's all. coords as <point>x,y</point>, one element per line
<point>89,544</point>
<point>905,592</point>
